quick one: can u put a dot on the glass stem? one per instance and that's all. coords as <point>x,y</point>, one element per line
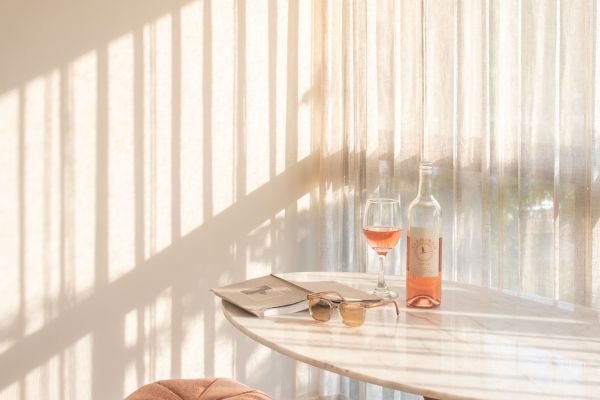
<point>381,282</point>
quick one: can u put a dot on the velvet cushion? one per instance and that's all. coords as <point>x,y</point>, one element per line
<point>197,389</point>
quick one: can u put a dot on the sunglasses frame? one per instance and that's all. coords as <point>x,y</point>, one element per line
<point>334,304</point>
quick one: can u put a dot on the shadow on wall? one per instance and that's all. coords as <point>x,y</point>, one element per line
<point>151,151</point>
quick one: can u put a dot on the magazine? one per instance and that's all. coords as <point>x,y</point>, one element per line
<point>272,295</point>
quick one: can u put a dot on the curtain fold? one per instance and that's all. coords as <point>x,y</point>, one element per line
<point>509,117</point>
<point>343,138</point>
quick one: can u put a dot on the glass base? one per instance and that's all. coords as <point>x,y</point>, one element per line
<point>384,293</point>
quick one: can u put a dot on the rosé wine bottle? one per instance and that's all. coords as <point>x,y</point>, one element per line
<point>424,245</point>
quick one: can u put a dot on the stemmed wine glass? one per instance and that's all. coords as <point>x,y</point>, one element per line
<point>382,226</point>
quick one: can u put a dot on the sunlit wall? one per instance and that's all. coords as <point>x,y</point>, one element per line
<point>149,150</point>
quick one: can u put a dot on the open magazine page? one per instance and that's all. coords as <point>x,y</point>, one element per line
<point>349,293</point>
<point>267,295</point>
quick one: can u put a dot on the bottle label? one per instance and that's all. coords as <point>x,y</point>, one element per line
<point>424,252</point>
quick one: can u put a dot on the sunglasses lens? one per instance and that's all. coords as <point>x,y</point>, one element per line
<point>319,309</point>
<point>352,314</point>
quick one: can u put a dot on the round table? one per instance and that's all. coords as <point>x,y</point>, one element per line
<point>480,344</point>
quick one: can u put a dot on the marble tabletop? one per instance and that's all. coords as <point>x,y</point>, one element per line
<point>480,344</point>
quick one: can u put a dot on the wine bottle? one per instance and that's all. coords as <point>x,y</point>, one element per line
<point>424,245</point>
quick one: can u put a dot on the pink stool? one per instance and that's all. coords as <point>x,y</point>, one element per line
<point>197,389</point>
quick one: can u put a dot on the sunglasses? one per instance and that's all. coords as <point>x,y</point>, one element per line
<point>321,305</point>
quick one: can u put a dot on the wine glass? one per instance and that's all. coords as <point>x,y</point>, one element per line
<point>382,226</point>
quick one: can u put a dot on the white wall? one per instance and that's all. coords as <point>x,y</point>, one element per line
<point>149,150</point>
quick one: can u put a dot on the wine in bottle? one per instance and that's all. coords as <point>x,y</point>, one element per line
<point>424,245</point>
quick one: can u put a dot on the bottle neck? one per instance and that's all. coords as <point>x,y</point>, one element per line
<point>425,182</point>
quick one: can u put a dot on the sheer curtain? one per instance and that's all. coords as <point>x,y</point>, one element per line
<point>508,116</point>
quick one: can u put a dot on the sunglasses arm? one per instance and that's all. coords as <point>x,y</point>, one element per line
<point>383,303</point>
<point>325,294</point>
